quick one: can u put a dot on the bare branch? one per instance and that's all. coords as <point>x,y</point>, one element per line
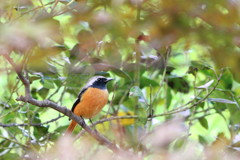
<point>80,121</point>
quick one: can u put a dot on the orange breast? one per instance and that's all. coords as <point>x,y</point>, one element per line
<point>91,103</point>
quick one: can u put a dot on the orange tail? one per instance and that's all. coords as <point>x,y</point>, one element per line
<point>71,127</point>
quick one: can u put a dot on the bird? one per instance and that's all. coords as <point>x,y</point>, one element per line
<point>91,99</point>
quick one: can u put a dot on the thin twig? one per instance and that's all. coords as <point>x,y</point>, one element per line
<point>106,120</point>
<point>196,118</point>
<point>168,52</point>
<point>54,6</point>
<point>179,109</point>
<point>18,70</point>
<point>195,104</point>
<point>34,9</point>
<point>67,112</point>
<point>31,124</point>
<point>16,142</point>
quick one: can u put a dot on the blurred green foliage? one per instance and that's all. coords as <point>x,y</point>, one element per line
<point>162,54</point>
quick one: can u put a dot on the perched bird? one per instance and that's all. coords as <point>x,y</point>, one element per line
<point>91,99</point>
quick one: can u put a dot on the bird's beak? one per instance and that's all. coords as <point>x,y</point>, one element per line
<point>109,79</point>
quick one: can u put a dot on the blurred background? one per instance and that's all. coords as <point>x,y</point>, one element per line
<point>176,66</point>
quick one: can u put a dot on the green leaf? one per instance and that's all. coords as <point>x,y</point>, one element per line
<point>192,70</point>
<point>202,140</point>
<point>209,73</point>
<point>36,118</point>
<point>4,105</point>
<point>4,144</point>
<point>43,92</point>
<point>179,143</point>
<point>47,84</point>
<point>34,92</point>
<point>169,97</point>
<point>52,68</point>
<point>136,92</point>
<point>204,122</point>
<point>75,80</point>
<point>59,81</point>
<point>10,156</point>
<point>178,84</point>
<point>15,131</point>
<point>9,117</point>
<point>57,133</point>
<point>121,73</point>
<point>235,118</point>
<point>227,80</point>
<point>33,78</point>
<point>200,65</point>
<point>40,131</point>
<point>60,129</point>
<point>142,116</point>
<point>145,82</point>
<point>201,105</point>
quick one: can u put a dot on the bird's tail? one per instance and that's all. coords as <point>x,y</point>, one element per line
<point>71,127</point>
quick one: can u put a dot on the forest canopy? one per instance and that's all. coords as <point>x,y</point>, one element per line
<point>176,70</point>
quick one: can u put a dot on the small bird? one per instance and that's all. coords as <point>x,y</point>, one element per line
<point>91,99</point>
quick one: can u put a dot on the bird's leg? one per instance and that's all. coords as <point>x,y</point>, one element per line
<point>92,123</point>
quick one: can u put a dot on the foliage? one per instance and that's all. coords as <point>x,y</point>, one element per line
<point>169,59</point>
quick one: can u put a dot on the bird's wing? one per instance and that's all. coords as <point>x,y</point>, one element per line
<point>78,99</point>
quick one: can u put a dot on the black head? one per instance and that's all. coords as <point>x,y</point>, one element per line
<point>98,82</point>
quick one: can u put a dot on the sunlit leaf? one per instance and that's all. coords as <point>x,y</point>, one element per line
<point>235,117</point>
<point>9,118</point>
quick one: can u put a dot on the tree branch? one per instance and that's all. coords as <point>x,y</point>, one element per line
<point>173,111</point>
<point>80,121</point>
<point>47,103</point>
<point>106,120</point>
